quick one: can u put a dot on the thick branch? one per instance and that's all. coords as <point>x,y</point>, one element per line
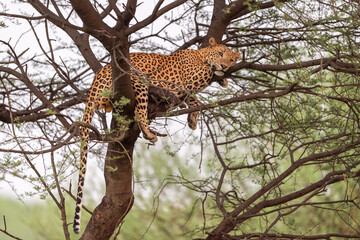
<point>242,98</point>
<point>36,113</point>
<point>293,236</point>
<point>223,15</point>
<point>81,40</point>
<point>285,67</point>
<point>23,77</point>
<point>239,10</point>
<point>93,23</point>
<point>129,12</point>
<point>45,12</point>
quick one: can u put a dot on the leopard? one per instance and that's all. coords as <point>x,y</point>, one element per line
<point>184,73</point>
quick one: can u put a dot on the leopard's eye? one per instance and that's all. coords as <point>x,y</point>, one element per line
<point>221,54</point>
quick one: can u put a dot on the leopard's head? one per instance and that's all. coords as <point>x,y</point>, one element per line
<point>219,57</point>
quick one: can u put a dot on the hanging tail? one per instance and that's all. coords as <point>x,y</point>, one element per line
<point>101,83</point>
<point>83,160</point>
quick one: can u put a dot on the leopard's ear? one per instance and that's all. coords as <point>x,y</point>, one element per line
<point>212,41</point>
<point>237,55</point>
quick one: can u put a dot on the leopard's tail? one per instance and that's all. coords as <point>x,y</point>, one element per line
<point>95,100</point>
<point>84,132</point>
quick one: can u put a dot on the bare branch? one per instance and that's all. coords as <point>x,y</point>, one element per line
<point>155,14</point>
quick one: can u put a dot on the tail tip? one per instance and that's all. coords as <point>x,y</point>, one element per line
<point>76,228</point>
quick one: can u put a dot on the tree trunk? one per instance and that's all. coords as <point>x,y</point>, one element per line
<point>118,171</point>
<point>119,196</point>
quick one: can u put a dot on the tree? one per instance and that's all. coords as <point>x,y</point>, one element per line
<point>284,135</point>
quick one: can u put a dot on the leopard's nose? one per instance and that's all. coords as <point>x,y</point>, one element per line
<point>224,66</point>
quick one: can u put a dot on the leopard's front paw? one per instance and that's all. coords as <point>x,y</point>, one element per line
<point>192,120</point>
<point>223,82</point>
<point>151,137</point>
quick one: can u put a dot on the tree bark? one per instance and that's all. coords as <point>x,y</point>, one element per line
<point>118,171</point>
<point>119,196</point>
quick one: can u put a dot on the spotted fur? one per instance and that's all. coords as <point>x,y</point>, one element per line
<point>185,72</point>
